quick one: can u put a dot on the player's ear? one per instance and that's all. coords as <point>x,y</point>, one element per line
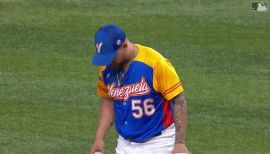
<point>125,45</point>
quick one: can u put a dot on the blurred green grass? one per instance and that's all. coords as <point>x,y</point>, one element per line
<point>48,101</point>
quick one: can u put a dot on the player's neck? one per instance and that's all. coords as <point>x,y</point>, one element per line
<point>131,55</point>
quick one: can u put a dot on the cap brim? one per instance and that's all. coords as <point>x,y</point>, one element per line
<point>102,60</point>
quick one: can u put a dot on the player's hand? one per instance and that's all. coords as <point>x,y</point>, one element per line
<point>98,147</point>
<point>180,149</point>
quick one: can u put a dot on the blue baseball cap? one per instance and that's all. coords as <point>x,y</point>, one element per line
<point>108,39</point>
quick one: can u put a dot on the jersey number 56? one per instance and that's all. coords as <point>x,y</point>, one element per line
<point>140,108</point>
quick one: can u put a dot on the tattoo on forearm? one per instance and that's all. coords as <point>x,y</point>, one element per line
<point>180,117</point>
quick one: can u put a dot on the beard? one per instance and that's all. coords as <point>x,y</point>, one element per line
<point>118,68</point>
<point>121,64</point>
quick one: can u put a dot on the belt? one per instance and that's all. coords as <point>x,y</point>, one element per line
<point>159,133</point>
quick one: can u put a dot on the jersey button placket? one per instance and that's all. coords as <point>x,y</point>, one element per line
<point>126,122</point>
<point>125,103</point>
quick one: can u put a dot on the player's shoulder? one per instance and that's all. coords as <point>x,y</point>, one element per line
<point>149,55</point>
<point>101,68</point>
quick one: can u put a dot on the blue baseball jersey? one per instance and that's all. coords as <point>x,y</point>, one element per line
<point>141,95</point>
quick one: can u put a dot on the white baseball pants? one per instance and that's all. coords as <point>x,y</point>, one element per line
<point>162,144</point>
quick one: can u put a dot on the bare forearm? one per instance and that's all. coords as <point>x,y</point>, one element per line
<point>180,117</point>
<point>106,118</point>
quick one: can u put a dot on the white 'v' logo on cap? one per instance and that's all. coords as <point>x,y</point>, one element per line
<point>98,46</point>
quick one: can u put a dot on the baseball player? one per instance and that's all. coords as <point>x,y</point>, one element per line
<point>142,96</point>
